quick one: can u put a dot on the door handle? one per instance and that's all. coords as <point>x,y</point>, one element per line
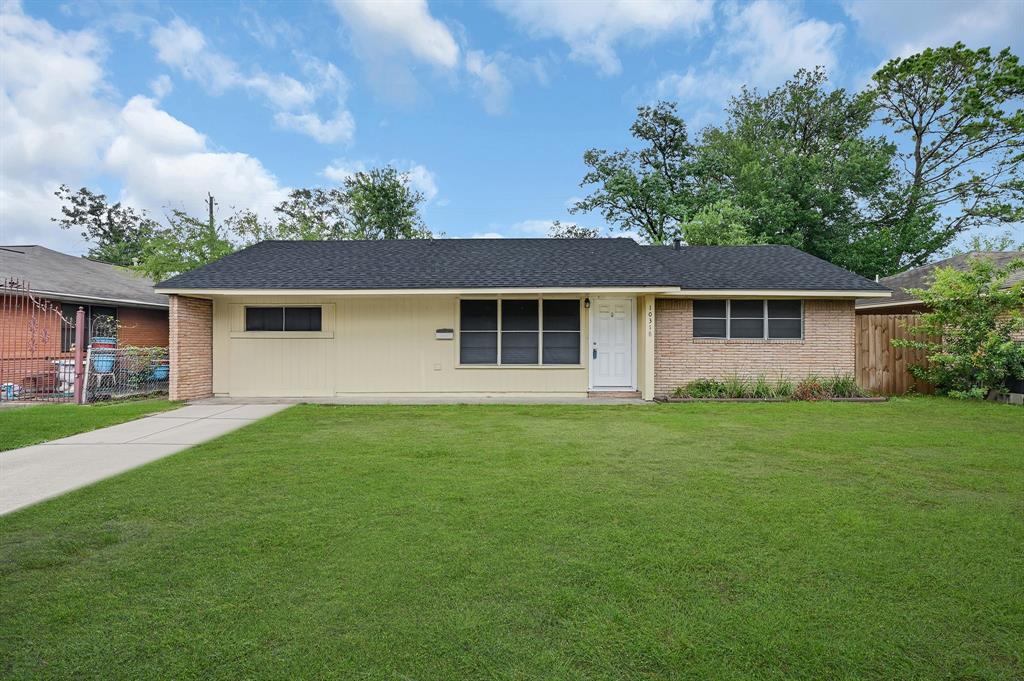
<point>595,353</point>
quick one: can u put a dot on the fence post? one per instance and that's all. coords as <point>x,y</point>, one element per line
<point>79,356</point>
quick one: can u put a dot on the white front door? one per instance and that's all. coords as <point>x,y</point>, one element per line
<point>611,344</point>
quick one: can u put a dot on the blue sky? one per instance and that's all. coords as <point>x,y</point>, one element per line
<point>489,105</point>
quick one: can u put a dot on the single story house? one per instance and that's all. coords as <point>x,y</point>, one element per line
<point>904,302</point>
<point>560,317</point>
<point>102,289</point>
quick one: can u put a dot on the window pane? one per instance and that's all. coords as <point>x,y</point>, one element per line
<point>67,339</point>
<point>477,347</point>
<point>747,328</point>
<point>709,328</point>
<point>709,308</point>
<point>784,308</point>
<point>747,308</point>
<point>479,315</point>
<point>302,319</point>
<point>518,348</point>
<point>561,315</point>
<point>561,347</point>
<point>784,328</point>
<point>264,319</point>
<point>519,315</point>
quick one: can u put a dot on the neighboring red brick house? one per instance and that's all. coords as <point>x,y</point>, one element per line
<point>71,282</point>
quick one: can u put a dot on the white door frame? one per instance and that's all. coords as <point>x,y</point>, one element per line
<point>590,342</point>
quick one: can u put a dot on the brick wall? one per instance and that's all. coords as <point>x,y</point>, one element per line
<point>142,327</point>
<point>191,348</point>
<point>828,347</point>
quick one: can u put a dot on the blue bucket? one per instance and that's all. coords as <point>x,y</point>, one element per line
<point>102,362</point>
<point>161,372</point>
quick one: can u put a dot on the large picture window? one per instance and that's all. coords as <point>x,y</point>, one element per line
<point>519,332</point>
<point>748,319</point>
<point>283,318</point>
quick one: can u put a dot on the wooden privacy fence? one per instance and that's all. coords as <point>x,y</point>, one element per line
<point>882,368</point>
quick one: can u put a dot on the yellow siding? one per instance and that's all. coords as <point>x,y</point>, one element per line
<point>369,344</point>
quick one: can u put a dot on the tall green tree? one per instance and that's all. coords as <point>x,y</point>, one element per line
<point>646,191</point>
<point>382,205</point>
<point>958,118</point>
<point>570,230</point>
<point>376,204</point>
<point>721,223</point>
<point>184,244</point>
<point>800,160</point>
<point>115,232</point>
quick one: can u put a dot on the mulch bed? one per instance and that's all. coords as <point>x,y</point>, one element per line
<point>768,399</point>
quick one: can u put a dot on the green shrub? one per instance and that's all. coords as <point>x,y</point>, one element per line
<point>762,388</point>
<point>844,385</point>
<point>968,333</point>
<point>702,388</point>
<point>783,387</point>
<point>737,387</point>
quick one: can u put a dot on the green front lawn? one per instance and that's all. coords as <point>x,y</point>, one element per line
<point>23,426</point>
<point>811,541</point>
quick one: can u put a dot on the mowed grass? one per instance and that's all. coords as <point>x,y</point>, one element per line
<point>697,541</point>
<point>23,426</point>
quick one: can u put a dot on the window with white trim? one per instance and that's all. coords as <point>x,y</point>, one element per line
<point>748,319</point>
<point>288,318</point>
<point>511,332</point>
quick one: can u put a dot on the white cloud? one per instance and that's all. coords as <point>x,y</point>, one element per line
<point>163,161</point>
<point>420,177</point>
<point>904,28</point>
<point>761,45</point>
<point>423,180</point>
<point>340,170</point>
<point>383,28</point>
<point>773,40</point>
<point>340,128</point>
<point>56,120</point>
<point>487,235</point>
<point>593,29</point>
<point>184,47</point>
<point>161,86</point>
<point>490,82</point>
<point>63,125</point>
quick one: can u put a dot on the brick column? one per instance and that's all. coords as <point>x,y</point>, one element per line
<point>191,348</point>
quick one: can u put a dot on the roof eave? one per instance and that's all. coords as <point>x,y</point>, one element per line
<point>781,293</point>
<point>79,298</point>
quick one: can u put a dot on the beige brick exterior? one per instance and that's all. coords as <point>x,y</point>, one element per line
<point>828,347</point>
<point>191,348</point>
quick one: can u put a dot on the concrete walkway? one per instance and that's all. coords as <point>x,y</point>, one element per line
<point>32,474</point>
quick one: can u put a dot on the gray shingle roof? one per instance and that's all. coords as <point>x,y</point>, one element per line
<point>53,273</point>
<point>514,263</point>
<point>921,277</point>
<point>756,267</point>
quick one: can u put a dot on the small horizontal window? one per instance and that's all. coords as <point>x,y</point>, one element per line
<point>283,318</point>
<point>748,319</point>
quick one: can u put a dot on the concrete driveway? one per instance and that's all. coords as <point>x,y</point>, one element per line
<point>32,474</point>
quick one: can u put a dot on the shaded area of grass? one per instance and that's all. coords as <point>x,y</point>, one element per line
<point>22,426</point>
<point>675,541</point>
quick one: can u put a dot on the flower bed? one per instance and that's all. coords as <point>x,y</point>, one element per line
<point>761,389</point>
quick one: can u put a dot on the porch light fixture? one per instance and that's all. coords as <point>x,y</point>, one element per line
<point>586,303</point>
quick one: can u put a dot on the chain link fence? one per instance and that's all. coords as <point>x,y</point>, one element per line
<point>120,372</point>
